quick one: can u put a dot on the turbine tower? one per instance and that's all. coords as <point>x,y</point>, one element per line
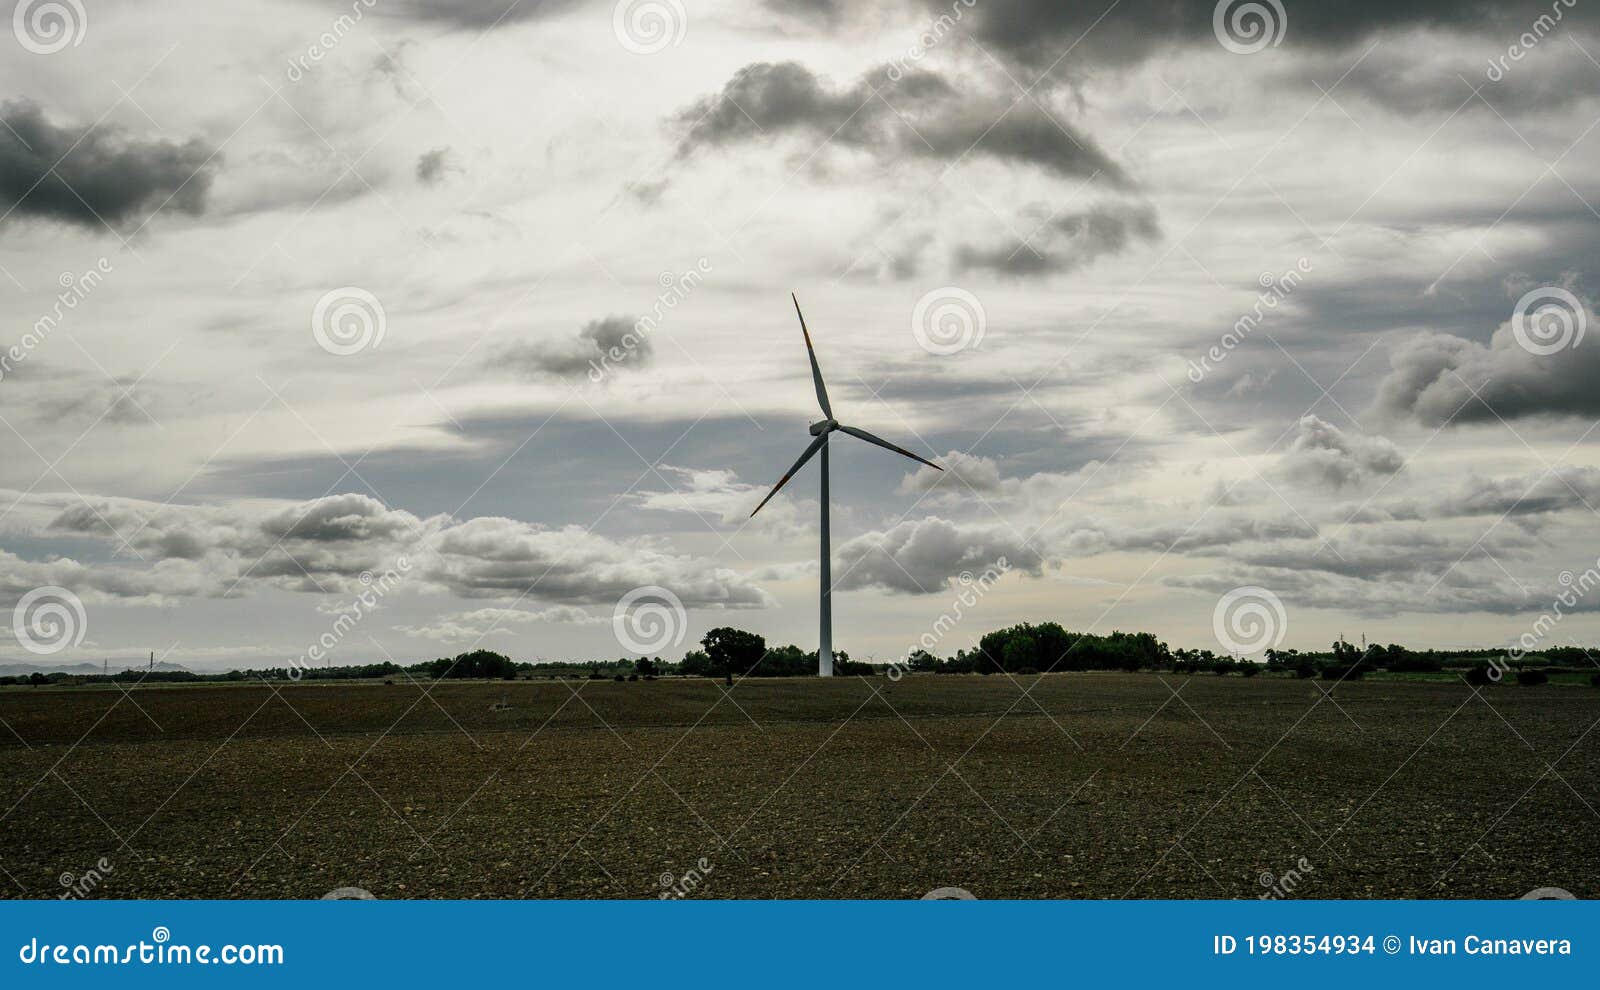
<point>820,431</point>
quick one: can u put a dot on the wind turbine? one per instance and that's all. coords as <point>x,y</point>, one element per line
<point>820,431</point>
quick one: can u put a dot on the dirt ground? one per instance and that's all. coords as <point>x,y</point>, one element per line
<point>1073,785</point>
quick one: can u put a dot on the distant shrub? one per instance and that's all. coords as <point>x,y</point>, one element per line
<point>1532,678</point>
<point>1345,672</point>
<point>1029,672</point>
<point>619,678</point>
<point>1306,671</point>
<point>1594,680</point>
<point>633,677</point>
<point>1479,676</point>
<point>597,676</point>
<point>1250,670</point>
<point>389,681</point>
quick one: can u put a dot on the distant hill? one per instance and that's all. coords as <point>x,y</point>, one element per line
<point>22,668</point>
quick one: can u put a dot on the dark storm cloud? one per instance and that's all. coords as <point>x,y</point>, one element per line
<point>611,343</point>
<point>1064,243</point>
<point>1050,33</point>
<point>85,176</point>
<point>481,14</point>
<point>1438,378</point>
<point>891,114</point>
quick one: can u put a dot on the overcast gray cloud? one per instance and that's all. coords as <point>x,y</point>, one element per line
<point>602,345</point>
<point>1037,31</point>
<point>482,15</point>
<point>94,175</point>
<point>1103,225</point>
<point>1324,455</point>
<point>1438,378</point>
<point>920,557</point>
<point>920,114</point>
<point>1063,243</point>
<point>328,545</point>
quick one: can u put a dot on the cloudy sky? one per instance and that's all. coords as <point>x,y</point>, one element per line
<point>1284,296</point>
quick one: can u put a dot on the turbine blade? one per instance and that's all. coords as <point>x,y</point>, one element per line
<point>816,372</point>
<point>816,445</point>
<point>886,445</point>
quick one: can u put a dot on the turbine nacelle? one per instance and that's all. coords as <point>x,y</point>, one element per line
<point>826,426</point>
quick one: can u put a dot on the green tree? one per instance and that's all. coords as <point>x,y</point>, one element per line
<point>733,651</point>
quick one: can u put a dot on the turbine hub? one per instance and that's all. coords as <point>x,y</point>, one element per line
<point>826,426</point>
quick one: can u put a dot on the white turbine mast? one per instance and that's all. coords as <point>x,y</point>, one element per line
<point>820,431</point>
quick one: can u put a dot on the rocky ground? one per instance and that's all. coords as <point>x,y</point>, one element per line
<point>1075,785</point>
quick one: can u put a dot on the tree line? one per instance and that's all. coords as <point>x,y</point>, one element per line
<point>1025,649</point>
